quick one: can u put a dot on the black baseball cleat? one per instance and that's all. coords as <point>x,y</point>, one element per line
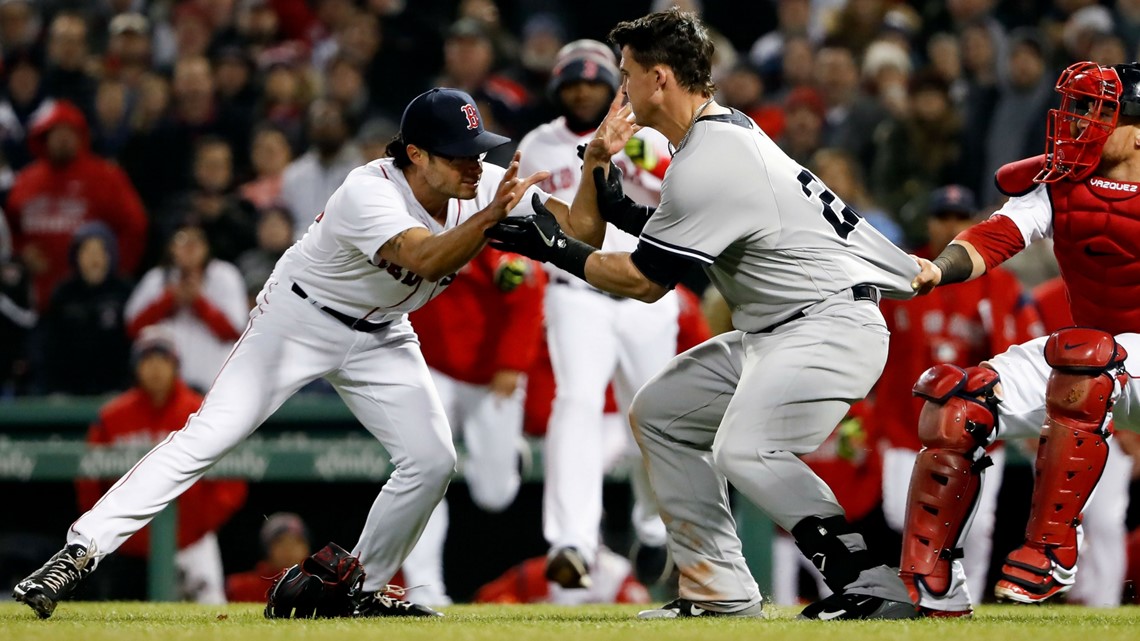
<point>567,568</point>
<point>858,606</point>
<point>387,603</point>
<point>43,589</point>
<point>686,609</point>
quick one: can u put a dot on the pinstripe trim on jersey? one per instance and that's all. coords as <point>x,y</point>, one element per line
<point>691,254</point>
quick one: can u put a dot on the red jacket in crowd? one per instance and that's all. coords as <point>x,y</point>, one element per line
<point>49,202</point>
<point>476,329</point>
<point>132,418</point>
<point>961,325</point>
<point>692,330</point>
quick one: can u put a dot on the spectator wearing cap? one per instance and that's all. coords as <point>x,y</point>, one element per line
<point>543,35</point>
<point>309,180</point>
<point>64,188</point>
<point>1083,28</point>
<point>1017,126</point>
<point>84,324</point>
<point>129,53</point>
<point>469,65</point>
<point>193,29</point>
<point>23,93</point>
<point>963,326</point>
<point>158,404</point>
<point>284,542</point>
<point>803,124</point>
<point>65,74</point>
<point>201,300</point>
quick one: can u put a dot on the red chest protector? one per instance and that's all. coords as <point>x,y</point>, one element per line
<point>1096,236</point>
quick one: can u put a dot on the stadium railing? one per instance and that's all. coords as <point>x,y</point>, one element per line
<point>42,440</point>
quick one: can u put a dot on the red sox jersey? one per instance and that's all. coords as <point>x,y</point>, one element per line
<point>961,325</point>
<point>1095,227</point>
<point>553,147</point>
<point>334,261</point>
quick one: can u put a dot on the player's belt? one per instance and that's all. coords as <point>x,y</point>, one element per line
<point>559,279</point>
<point>858,292</point>
<point>359,324</point>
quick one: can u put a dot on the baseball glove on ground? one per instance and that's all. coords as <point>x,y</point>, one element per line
<point>323,585</point>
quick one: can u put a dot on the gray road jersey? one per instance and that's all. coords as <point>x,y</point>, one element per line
<point>772,238</point>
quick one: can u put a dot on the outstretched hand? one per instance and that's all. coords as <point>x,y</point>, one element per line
<point>614,131</point>
<point>512,188</point>
<point>536,236</point>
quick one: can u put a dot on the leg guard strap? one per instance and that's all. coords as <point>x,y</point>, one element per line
<point>819,540</point>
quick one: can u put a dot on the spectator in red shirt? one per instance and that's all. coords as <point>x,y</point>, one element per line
<point>159,404</point>
<point>66,186</point>
<point>285,540</point>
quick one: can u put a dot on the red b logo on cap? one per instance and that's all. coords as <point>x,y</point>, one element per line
<point>472,116</point>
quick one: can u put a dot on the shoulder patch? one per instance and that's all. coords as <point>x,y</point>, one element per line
<point>1016,178</point>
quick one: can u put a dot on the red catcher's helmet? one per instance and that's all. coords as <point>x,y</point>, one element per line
<point>1077,131</point>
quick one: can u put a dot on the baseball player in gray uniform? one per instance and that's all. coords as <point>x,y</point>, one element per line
<point>388,241</point>
<point>802,273</point>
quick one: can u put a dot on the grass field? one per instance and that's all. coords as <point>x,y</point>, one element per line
<point>176,622</point>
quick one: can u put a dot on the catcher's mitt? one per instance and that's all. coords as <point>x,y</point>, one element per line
<point>323,585</point>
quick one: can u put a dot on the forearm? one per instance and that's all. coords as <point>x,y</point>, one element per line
<point>436,256</point>
<point>959,262</point>
<point>614,272</point>
<point>585,221</point>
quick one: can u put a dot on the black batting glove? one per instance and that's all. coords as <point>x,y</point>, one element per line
<point>617,208</point>
<point>539,236</point>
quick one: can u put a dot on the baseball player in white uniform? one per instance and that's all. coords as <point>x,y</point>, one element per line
<point>593,336</point>
<point>802,273</point>
<point>336,307</point>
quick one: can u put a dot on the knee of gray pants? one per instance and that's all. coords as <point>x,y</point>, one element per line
<point>645,411</point>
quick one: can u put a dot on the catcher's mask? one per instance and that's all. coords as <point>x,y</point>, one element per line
<point>1093,98</point>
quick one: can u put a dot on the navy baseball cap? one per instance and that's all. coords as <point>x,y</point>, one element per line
<point>953,199</point>
<point>447,122</point>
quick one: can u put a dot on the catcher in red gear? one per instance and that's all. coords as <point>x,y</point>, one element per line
<point>1070,388</point>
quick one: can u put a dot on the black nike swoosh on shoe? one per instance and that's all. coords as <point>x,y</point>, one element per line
<point>1075,345</point>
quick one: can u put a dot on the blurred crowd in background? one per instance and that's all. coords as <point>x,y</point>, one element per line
<point>158,156</point>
